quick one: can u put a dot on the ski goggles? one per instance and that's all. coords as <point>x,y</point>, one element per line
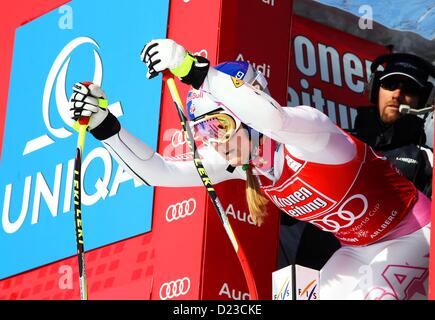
<point>216,127</point>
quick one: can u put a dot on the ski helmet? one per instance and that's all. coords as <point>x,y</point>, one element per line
<point>200,103</point>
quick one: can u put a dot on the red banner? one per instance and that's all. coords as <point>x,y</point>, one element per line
<point>246,31</point>
<point>329,69</point>
<point>123,270</point>
<point>193,252</point>
<point>179,213</point>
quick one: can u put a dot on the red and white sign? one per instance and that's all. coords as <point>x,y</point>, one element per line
<point>212,265</point>
<point>329,69</point>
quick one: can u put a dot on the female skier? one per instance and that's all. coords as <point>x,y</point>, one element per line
<point>296,158</point>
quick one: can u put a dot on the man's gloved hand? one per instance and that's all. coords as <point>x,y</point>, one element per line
<point>162,54</point>
<point>88,100</point>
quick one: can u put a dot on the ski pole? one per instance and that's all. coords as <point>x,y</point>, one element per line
<point>210,189</point>
<point>82,126</point>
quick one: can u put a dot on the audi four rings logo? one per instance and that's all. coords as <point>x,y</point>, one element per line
<point>175,288</point>
<point>180,210</point>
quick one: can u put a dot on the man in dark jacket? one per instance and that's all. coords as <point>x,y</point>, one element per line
<point>391,126</point>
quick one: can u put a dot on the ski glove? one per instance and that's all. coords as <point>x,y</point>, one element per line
<point>162,54</point>
<point>88,100</point>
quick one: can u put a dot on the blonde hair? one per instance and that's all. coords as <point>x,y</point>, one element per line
<point>255,199</point>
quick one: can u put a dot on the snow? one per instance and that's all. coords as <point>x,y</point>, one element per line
<point>416,16</point>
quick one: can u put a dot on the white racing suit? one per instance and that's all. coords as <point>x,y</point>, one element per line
<point>394,265</point>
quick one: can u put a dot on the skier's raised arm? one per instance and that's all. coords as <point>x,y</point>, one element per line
<point>310,133</point>
<point>136,157</point>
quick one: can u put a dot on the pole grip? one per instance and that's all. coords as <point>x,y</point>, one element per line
<point>167,75</point>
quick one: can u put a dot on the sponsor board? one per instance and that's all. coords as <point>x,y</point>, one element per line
<point>37,224</point>
<point>329,69</point>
